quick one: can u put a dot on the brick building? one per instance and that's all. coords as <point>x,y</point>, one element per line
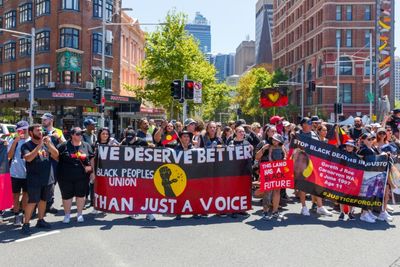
<point>305,38</point>
<point>67,60</point>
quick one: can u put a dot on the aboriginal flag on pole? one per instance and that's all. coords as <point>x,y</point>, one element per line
<point>6,199</point>
<point>274,97</point>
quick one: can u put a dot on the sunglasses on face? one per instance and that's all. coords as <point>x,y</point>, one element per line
<point>382,133</point>
<point>78,133</point>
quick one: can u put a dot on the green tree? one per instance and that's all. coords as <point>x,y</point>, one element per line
<point>170,54</point>
<point>218,100</point>
<point>248,97</point>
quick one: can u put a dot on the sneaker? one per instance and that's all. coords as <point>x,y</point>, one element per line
<point>150,217</point>
<point>365,217</point>
<point>67,218</point>
<point>52,210</point>
<point>133,216</point>
<point>385,216</point>
<point>80,219</point>
<point>277,215</point>
<point>26,230</point>
<point>351,217</point>
<point>372,215</point>
<point>389,208</point>
<point>266,216</point>
<point>305,211</point>
<point>1,216</point>
<point>323,211</point>
<point>95,212</point>
<point>17,219</point>
<point>341,216</point>
<point>196,216</point>
<point>43,224</point>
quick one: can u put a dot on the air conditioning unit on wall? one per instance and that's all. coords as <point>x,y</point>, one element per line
<point>89,85</point>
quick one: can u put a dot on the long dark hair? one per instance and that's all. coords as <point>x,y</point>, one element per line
<point>99,135</point>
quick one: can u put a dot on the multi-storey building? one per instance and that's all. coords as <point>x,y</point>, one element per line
<point>225,66</point>
<point>245,56</point>
<point>308,36</point>
<point>200,28</point>
<point>397,78</point>
<point>68,58</point>
<point>264,25</point>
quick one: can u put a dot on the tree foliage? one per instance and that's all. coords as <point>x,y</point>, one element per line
<point>170,54</point>
<point>218,100</point>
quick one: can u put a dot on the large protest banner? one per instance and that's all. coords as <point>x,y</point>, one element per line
<point>134,180</point>
<point>326,171</point>
<point>276,175</point>
<point>6,198</point>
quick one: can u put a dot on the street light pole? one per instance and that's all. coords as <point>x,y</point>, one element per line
<point>103,62</point>
<point>370,75</point>
<point>32,78</point>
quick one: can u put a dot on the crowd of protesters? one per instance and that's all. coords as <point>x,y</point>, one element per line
<point>40,157</point>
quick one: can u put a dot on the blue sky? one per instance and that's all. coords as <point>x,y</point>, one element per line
<point>231,20</point>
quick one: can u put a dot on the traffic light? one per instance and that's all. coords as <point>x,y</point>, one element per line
<point>338,108</point>
<point>176,89</point>
<point>101,109</point>
<point>189,87</point>
<point>96,95</point>
<point>311,86</point>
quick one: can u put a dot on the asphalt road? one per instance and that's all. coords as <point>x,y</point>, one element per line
<point>115,240</point>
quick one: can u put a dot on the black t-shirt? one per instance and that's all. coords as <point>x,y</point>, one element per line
<point>265,156</point>
<point>38,171</point>
<point>138,142</point>
<point>72,160</point>
<point>206,141</point>
<point>366,152</point>
<point>356,133</point>
<point>238,143</point>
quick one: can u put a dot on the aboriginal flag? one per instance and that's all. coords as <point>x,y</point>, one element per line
<point>274,97</point>
<point>169,139</point>
<point>331,136</point>
<point>6,199</point>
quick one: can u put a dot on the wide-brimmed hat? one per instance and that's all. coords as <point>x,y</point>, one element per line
<point>278,137</point>
<point>186,132</point>
<point>350,143</point>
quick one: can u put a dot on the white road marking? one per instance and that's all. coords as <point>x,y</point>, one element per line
<point>37,236</point>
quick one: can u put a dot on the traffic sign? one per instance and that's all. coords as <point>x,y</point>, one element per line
<point>101,83</point>
<point>197,93</point>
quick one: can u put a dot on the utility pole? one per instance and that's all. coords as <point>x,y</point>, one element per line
<point>103,62</point>
<point>338,76</point>
<point>184,99</point>
<point>32,78</point>
<point>370,75</point>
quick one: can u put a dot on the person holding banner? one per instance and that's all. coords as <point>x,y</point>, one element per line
<point>166,136</point>
<point>18,170</point>
<point>210,138</point>
<point>306,131</point>
<point>74,169</point>
<point>39,174</point>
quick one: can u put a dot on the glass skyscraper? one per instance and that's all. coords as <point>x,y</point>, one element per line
<point>201,30</point>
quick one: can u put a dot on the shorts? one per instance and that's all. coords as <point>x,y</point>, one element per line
<point>37,193</point>
<point>76,188</point>
<point>18,184</point>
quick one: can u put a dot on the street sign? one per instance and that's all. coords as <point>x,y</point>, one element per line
<point>101,83</point>
<point>370,97</point>
<point>197,93</point>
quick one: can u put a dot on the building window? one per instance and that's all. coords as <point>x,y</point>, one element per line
<point>10,19</point>
<point>1,4</point>
<point>98,9</point>
<point>345,93</point>
<point>70,77</point>
<point>349,39</point>
<point>96,74</point>
<point>70,4</point>
<point>320,63</point>
<point>309,97</point>
<point>42,77</point>
<point>9,51</point>
<point>1,55</point>
<point>24,47</point>
<point>367,37</point>
<point>309,72</point>
<point>299,72</point>
<point>25,13</point>
<point>338,13</point>
<point>367,13</point>
<point>346,66</point>
<point>1,84</point>
<point>97,43</point>
<point>42,7</point>
<point>1,23</point>
<point>366,67</point>
<point>338,37</point>
<point>319,95</point>
<point>24,79</point>
<point>9,82</point>
<point>349,13</point>
<point>69,37</point>
<point>42,41</point>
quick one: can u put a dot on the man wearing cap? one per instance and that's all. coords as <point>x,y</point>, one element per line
<point>89,136</point>
<point>315,123</point>
<point>306,129</point>
<point>18,170</point>
<point>56,137</point>
<point>132,140</point>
